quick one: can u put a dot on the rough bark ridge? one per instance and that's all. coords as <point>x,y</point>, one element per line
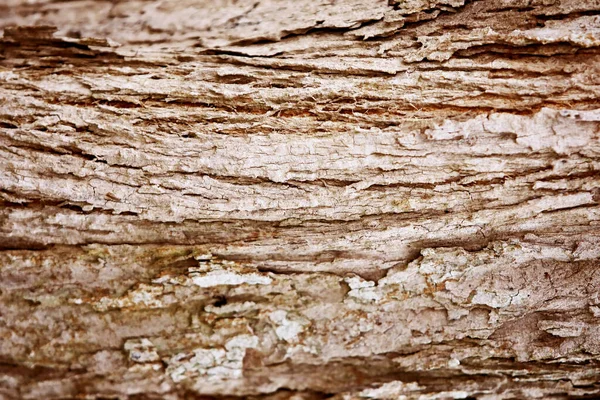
<point>299,199</point>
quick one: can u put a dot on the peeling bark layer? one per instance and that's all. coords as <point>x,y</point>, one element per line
<point>303,200</point>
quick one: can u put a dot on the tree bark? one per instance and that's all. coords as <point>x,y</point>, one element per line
<point>299,199</point>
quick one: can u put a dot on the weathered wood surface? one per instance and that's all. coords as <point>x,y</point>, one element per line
<point>299,199</point>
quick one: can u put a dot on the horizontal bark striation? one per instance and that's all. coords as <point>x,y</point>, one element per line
<point>313,199</point>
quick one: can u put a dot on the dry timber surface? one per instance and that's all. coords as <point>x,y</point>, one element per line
<point>309,199</point>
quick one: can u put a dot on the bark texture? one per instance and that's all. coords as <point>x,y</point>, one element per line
<point>300,199</point>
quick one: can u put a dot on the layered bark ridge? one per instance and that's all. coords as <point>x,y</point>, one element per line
<point>299,199</point>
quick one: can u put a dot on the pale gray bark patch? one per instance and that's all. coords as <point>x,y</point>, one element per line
<point>303,200</point>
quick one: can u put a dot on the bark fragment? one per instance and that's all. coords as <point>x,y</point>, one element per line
<point>308,199</point>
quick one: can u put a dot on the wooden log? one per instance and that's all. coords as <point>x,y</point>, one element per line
<point>299,199</point>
